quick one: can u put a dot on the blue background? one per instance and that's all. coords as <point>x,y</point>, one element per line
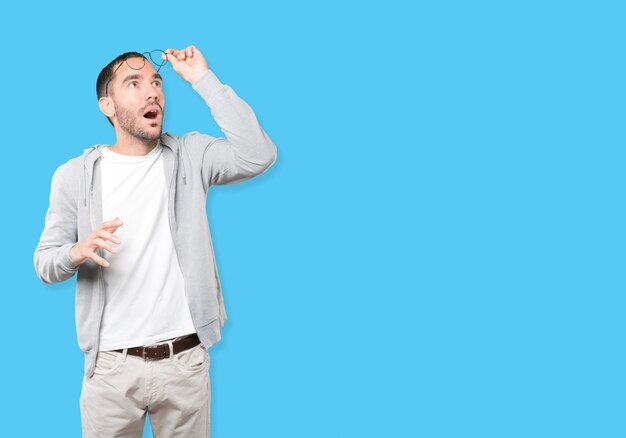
<point>437,252</point>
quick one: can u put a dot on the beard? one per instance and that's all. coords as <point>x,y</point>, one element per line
<point>131,122</point>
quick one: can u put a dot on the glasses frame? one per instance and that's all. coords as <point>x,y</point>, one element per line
<point>158,66</point>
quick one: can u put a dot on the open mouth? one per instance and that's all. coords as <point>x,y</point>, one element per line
<point>152,113</point>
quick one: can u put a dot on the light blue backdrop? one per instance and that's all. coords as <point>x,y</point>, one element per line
<point>437,252</point>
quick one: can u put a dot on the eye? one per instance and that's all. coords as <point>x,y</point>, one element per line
<point>157,84</point>
<point>131,83</point>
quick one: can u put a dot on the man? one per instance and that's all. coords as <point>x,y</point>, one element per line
<point>148,296</point>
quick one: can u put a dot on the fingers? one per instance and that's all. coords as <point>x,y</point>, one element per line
<point>97,243</point>
<point>174,55</point>
<point>105,245</point>
<point>100,242</point>
<point>117,222</point>
<point>99,260</point>
<point>111,226</point>
<point>105,234</point>
<point>102,238</point>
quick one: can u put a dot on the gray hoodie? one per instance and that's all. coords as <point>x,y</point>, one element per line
<point>192,163</point>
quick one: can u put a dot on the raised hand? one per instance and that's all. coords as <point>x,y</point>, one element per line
<point>189,63</point>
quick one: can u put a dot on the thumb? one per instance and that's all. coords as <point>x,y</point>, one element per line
<point>169,56</point>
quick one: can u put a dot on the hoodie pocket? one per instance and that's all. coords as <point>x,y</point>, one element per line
<point>210,319</point>
<point>209,313</point>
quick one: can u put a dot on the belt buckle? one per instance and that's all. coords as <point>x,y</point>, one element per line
<point>144,354</point>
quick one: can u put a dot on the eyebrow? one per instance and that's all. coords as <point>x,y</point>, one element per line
<point>137,76</point>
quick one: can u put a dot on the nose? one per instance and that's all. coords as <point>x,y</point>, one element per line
<point>152,93</point>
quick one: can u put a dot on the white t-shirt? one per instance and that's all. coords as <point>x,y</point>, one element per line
<point>144,286</point>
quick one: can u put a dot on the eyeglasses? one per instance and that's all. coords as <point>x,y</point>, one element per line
<point>138,63</point>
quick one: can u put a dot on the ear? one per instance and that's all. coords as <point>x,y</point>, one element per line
<point>107,106</point>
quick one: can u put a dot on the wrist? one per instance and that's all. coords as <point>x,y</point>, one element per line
<point>197,76</point>
<point>74,257</point>
<point>208,86</point>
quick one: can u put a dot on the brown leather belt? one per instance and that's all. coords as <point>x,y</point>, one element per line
<point>162,351</point>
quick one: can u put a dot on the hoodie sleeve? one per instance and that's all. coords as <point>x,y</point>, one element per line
<point>52,255</point>
<point>245,152</point>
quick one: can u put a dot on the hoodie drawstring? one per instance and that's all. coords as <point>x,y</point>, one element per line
<point>85,174</point>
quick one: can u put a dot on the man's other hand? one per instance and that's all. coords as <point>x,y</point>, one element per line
<point>100,238</point>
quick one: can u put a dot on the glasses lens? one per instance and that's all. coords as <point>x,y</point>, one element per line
<point>136,63</point>
<point>156,56</point>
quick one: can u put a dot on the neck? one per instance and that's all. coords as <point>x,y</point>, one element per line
<point>129,145</point>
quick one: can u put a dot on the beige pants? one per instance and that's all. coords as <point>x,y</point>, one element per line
<point>176,393</point>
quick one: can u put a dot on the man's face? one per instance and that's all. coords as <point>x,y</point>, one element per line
<point>139,101</point>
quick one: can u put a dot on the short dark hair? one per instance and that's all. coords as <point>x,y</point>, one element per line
<point>107,74</point>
